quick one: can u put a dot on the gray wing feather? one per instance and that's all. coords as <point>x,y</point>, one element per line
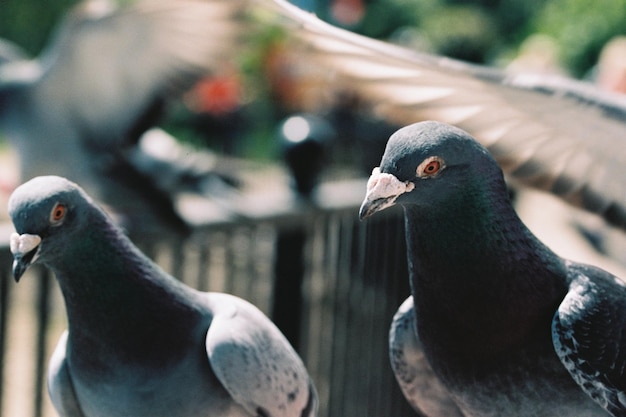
<point>131,57</point>
<point>418,382</point>
<point>589,335</point>
<point>555,134</point>
<point>255,363</point>
<point>60,384</point>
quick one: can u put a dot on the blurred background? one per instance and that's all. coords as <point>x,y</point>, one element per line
<point>563,36</point>
<point>286,236</point>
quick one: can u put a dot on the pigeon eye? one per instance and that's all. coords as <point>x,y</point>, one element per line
<point>430,167</point>
<point>57,214</point>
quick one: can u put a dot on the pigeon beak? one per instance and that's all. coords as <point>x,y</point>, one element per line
<point>25,249</point>
<point>382,191</point>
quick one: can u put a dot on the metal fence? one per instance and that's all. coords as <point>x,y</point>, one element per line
<point>330,282</point>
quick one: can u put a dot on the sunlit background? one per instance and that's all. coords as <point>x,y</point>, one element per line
<point>242,116</point>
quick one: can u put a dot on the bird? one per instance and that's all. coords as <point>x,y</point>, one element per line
<point>304,140</point>
<point>506,326</point>
<point>549,132</point>
<point>81,108</point>
<point>140,342</point>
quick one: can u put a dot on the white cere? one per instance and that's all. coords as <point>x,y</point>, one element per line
<point>383,185</point>
<point>21,244</point>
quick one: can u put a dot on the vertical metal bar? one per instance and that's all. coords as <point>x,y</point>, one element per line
<point>336,310</point>
<point>177,250</point>
<point>355,325</point>
<point>230,270</point>
<point>204,264</point>
<point>43,318</point>
<point>320,323</point>
<point>5,276</point>
<point>288,277</point>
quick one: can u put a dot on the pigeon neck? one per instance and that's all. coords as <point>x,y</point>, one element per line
<point>478,271</point>
<point>114,294</point>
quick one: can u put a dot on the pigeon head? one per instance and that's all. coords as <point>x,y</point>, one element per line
<point>428,165</point>
<point>43,211</point>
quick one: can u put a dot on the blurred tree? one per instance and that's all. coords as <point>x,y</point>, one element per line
<point>582,28</point>
<point>463,32</point>
<point>379,19</point>
<point>29,23</point>
<point>473,30</point>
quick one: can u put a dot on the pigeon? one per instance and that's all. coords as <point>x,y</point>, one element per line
<point>304,140</point>
<point>81,108</point>
<point>552,133</point>
<point>507,327</point>
<point>139,342</point>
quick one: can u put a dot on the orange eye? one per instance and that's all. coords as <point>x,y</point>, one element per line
<point>58,213</point>
<point>430,167</point>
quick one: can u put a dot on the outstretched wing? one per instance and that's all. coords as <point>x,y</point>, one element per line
<point>114,67</point>
<point>554,134</point>
<point>418,382</point>
<point>255,362</point>
<point>589,335</point>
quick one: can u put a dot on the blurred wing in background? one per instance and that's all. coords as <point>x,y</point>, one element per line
<point>122,64</point>
<point>555,134</point>
<point>106,77</point>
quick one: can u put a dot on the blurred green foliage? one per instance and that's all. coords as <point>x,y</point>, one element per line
<point>581,28</point>
<point>478,30</point>
<point>486,31</point>
<point>29,23</point>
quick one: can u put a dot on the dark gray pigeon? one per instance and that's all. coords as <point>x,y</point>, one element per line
<point>80,109</point>
<point>508,327</point>
<point>555,134</point>
<point>141,343</point>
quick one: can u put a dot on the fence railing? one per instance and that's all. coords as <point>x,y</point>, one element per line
<point>330,282</point>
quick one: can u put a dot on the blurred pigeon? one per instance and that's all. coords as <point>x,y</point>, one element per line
<point>141,343</point>
<point>80,109</point>
<point>549,132</point>
<point>304,140</point>
<point>508,327</point>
